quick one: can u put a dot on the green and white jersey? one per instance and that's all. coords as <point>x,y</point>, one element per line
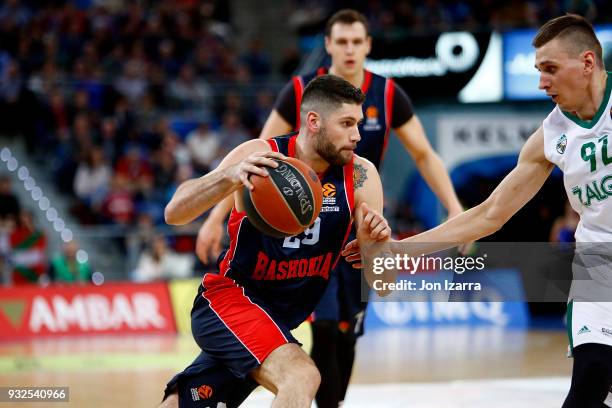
<point>583,151</point>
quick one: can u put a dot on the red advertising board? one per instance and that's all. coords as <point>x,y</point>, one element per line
<point>116,308</point>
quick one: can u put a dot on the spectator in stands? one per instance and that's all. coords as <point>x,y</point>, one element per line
<point>167,60</point>
<point>9,203</point>
<point>118,206</point>
<point>110,142</point>
<point>189,91</point>
<point>203,144</point>
<point>232,132</point>
<point>132,84</point>
<point>203,58</point>
<point>160,262</point>
<point>139,238</point>
<point>171,143</point>
<point>134,170</point>
<point>58,114</point>
<point>28,251</point>
<point>92,182</point>
<point>83,135</point>
<point>264,103</point>
<point>67,268</point>
<point>164,168</point>
<point>257,59</point>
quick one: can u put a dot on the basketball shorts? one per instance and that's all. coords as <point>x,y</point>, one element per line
<point>589,322</point>
<point>208,383</point>
<point>235,333</point>
<point>589,315</point>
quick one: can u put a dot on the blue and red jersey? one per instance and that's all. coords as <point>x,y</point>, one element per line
<point>386,106</point>
<point>288,276</point>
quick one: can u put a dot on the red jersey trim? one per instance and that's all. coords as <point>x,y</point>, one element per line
<point>233,230</point>
<point>298,89</point>
<point>367,80</point>
<point>389,93</point>
<point>291,147</point>
<point>273,144</point>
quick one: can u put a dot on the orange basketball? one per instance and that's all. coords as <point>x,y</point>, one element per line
<point>286,202</point>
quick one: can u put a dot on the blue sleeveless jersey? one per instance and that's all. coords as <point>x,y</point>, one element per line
<point>288,276</point>
<point>377,111</point>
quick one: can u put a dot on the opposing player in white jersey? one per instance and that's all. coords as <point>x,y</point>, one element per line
<point>577,137</point>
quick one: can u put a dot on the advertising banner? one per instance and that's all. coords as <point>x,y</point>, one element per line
<point>468,137</point>
<point>521,78</point>
<point>182,293</point>
<point>460,65</point>
<point>116,308</point>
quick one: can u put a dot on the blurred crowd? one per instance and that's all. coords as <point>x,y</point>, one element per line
<point>401,17</point>
<point>128,99</point>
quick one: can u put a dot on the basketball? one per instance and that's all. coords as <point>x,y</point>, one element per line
<point>286,202</point>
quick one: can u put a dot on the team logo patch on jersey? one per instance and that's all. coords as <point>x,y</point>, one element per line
<point>371,122</point>
<point>584,330</point>
<point>562,144</point>
<point>329,190</point>
<point>329,198</point>
<point>201,393</point>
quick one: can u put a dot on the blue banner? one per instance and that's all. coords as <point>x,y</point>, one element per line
<point>520,76</point>
<point>486,308</point>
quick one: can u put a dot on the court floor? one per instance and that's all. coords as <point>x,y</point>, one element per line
<point>449,367</point>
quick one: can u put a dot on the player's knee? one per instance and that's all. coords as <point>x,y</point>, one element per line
<point>171,401</point>
<point>311,380</point>
<point>303,378</point>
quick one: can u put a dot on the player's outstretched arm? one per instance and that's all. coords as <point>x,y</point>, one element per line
<point>195,196</point>
<point>515,190</point>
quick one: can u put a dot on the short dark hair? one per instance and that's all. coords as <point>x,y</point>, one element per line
<point>346,16</point>
<point>327,92</point>
<point>573,27</point>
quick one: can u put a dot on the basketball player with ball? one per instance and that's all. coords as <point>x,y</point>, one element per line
<point>269,281</point>
<point>337,321</point>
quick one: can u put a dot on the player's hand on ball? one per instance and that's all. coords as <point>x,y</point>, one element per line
<point>254,164</point>
<point>209,239</point>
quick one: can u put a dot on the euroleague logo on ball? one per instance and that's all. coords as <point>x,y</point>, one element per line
<point>295,187</point>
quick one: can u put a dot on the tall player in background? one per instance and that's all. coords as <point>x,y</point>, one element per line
<point>386,107</point>
<point>576,137</point>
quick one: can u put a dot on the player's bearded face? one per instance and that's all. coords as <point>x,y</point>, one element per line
<point>328,151</point>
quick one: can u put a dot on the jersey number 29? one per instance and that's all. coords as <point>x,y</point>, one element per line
<point>311,236</point>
